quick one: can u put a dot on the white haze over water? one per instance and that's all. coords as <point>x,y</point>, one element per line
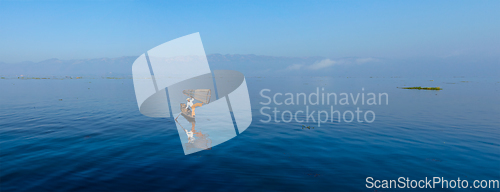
<point>259,65</point>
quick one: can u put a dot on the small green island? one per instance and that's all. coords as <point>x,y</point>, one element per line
<point>424,88</point>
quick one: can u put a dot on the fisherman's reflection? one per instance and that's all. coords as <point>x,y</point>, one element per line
<point>196,139</point>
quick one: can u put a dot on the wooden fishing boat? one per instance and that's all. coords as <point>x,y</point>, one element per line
<point>202,95</point>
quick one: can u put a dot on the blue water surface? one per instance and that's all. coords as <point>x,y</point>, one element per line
<point>88,135</point>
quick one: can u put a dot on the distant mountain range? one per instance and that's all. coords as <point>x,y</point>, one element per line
<point>123,65</point>
<point>259,65</point>
<point>56,67</point>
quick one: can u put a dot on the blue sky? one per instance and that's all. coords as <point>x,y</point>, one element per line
<point>35,31</point>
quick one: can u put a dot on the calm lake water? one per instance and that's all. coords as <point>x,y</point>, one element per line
<point>95,138</point>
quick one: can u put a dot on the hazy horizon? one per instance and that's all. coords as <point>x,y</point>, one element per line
<point>265,65</point>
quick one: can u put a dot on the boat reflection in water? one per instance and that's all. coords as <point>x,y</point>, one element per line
<point>196,98</point>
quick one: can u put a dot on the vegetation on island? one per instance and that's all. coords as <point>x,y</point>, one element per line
<point>424,88</point>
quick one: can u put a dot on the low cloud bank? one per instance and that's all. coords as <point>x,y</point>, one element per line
<point>257,65</point>
<point>327,63</point>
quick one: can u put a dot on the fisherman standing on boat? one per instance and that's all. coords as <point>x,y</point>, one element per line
<point>192,106</point>
<point>189,102</point>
